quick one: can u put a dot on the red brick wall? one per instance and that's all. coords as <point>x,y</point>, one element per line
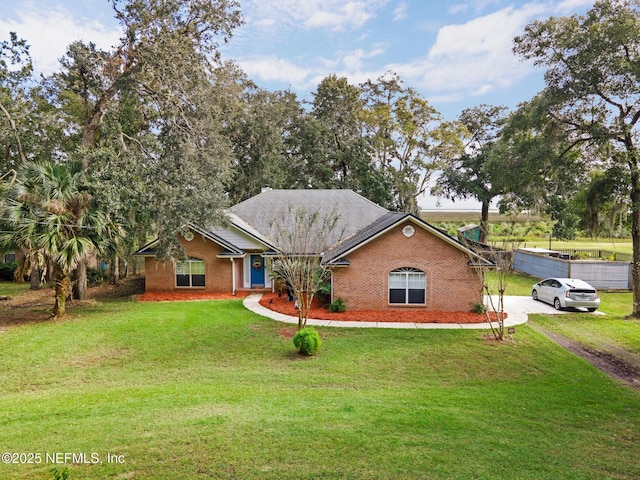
<point>160,277</point>
<point>451,284</point>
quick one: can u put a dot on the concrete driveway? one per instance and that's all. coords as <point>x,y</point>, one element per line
<point>515,305</point>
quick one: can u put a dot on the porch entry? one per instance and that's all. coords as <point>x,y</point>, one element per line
<point>257,271</point>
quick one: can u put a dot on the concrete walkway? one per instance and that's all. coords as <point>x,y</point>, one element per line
<point>516,307</point>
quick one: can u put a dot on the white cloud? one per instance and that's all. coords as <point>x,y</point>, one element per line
<point>489,34</point>
<point>353,61</point>
<point>473,58</point>
<point>573,5</point>
<point>312,14</point>
<point>458,8</point>
<point>349,64</point>
<point>50,31</point>
<point>272,69</point>
<point>400,12</point>
<point>466,60</point>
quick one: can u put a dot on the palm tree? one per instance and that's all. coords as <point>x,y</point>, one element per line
<point>50,214</point>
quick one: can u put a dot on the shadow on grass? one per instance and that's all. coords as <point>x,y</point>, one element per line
<point>36,306</point>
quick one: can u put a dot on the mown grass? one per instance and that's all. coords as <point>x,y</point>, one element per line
<point>610,332</point>
<point>210,390</point>
<point>621,245</point>
<point>516,283</point>
<point>13,288</point>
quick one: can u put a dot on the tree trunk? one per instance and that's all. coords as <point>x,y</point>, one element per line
<point>115,271</point>
<point>304,305</point>
<point>80,287</point>
<point>635,240</point>
<point>484,221</point>
<point>35,279</point>
<point>62,289</point>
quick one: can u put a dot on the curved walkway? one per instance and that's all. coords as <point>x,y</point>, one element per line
<point>516,307</point>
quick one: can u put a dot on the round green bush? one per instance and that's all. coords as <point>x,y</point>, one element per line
<point>307,341</point>
<point>337,306</point>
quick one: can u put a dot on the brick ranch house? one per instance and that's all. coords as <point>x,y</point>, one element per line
<point>379,259</point>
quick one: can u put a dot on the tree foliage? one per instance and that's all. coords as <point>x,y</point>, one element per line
<point>340,156</point>
<point>399,126</point>
<point>301,239</point>
<point>51,215</point>
<point>150,130</point>
<point>593,90</point>
<point>473,171</point>
<point>259,125</point>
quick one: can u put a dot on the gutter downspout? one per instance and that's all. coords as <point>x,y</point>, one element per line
<point>233,277</point>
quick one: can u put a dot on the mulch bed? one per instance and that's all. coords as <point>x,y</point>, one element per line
<point>185,296</point>
<point>279,304</point>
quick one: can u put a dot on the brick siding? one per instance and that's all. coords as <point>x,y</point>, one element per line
<point>160,276</point>
<point>451,284</point>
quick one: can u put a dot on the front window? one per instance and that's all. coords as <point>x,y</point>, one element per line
<point>190,273</point>
<point>407,286</point>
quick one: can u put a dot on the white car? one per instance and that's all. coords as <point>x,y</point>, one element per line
<point>566,292</point>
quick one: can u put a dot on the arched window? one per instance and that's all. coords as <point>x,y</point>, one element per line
<point>190,273</point>
<point>407,286</point>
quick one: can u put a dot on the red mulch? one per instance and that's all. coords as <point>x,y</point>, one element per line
<point>280,304</point>
<point>186,295</point>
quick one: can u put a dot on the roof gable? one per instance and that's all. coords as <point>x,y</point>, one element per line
<point>337,255</point>
<point>233,240</point>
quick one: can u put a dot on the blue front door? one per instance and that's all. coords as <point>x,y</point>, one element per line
<point>257,271</point>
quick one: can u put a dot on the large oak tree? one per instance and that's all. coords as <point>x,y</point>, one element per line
<point>160,76</point>
<point>593,90</point>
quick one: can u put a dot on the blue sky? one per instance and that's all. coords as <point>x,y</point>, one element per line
<point>457,54</point>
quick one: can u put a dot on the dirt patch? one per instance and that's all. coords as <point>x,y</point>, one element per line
<point>34,306</point>
<point>625,370</point>
<point>288,333</point>
<point>280,304</point>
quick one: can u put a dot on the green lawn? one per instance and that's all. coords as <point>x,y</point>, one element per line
<point>210,390</point>
<point>616,245</point>
<point>13,288</point>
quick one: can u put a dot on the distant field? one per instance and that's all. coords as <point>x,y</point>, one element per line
<point>527,231</point>
<point>469,216</point>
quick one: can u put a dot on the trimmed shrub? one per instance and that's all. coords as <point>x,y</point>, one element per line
<point>7,270</point>
<point>478,308</point>
<point>337,305</point>
<point>307,341</point>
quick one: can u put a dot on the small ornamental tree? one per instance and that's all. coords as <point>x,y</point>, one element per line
<point>494,287</point>
<point>301,239</point>
<point>494,293</point>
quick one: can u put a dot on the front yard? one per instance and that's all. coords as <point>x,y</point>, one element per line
<point>209,390</point>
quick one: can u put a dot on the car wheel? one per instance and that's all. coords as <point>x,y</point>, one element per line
<point>534,294</point>
<point>591,309</point>
<point>556,304</point>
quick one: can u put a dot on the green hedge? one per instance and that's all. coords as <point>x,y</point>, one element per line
<point>7,270</point>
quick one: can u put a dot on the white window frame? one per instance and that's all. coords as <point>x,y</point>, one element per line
<point>404,279</point>
<point>189,271</point>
